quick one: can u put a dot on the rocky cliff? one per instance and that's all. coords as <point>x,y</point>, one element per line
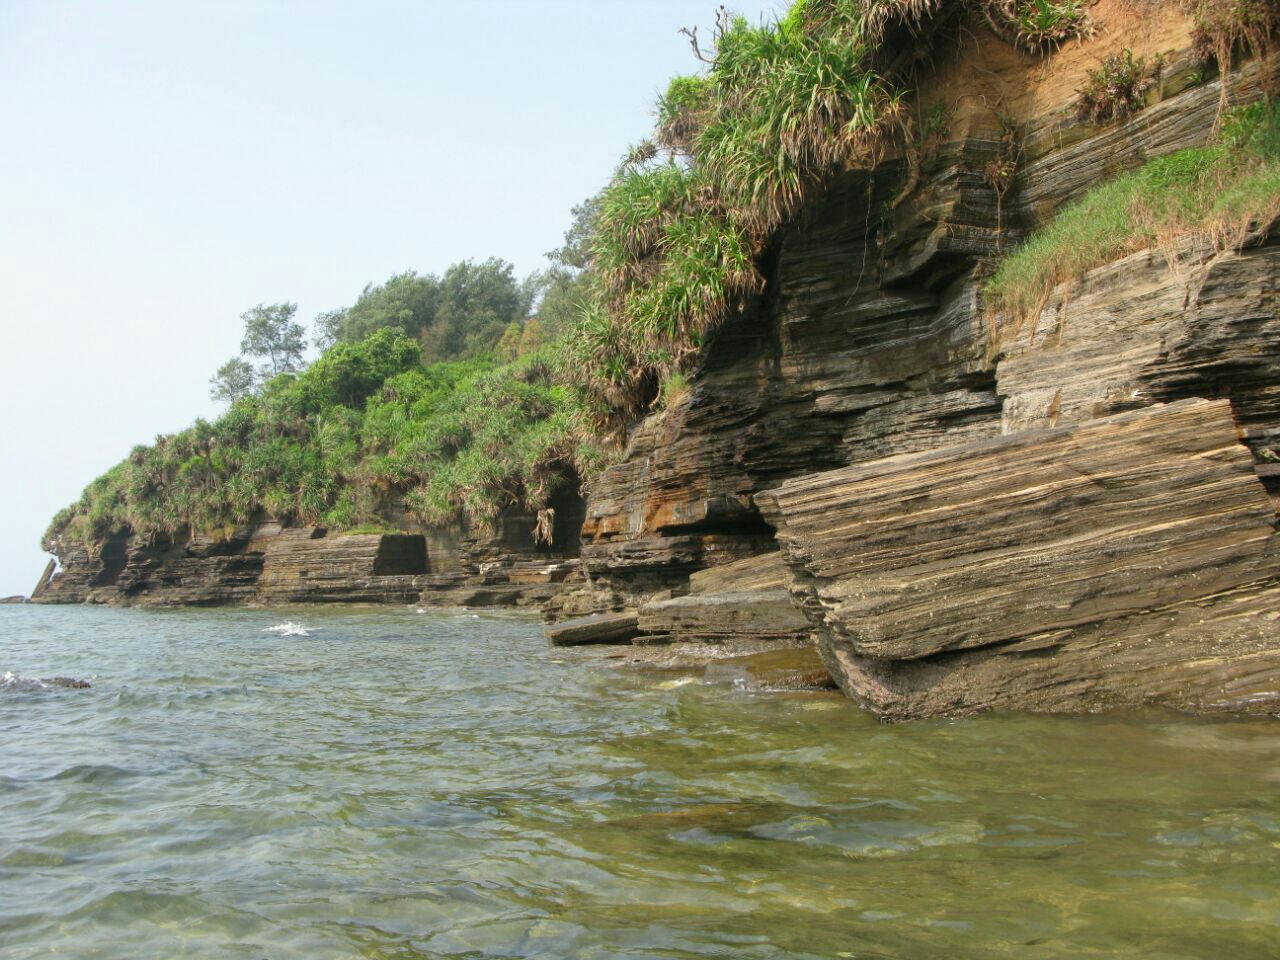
<point>978,512</point>
<point>269,564</point>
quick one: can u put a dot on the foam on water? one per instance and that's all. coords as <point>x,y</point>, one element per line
<point>288,629</point>
<point>11,682</point>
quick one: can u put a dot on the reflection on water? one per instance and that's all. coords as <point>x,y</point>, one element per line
<point>397,785</point>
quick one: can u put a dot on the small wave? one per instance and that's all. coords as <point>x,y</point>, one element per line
<point>93,773</point>
<point>11,682</point>
<point>288,629</point>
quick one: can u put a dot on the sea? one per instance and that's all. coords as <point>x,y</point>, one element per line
<point>403,783</point>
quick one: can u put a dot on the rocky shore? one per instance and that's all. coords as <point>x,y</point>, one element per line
<point>875,481</point>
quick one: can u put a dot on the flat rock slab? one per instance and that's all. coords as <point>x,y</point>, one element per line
<point>598,628</point>
<point>765,572</point>
<point>756,613</point>
<point>1026,545</point>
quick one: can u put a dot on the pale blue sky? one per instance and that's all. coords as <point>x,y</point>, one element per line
<point>165,166</point>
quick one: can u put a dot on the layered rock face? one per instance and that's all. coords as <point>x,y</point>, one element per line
<point>1123,560</point>
<point>269,564</point>
<point>299,567</point>
<point>871,355</point>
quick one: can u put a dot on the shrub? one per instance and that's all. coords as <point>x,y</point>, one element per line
<point>1118,88</point>
<point>1037,25</point>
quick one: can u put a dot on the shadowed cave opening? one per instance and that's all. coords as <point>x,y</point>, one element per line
<point>401,555</point>
<point>114,558</point>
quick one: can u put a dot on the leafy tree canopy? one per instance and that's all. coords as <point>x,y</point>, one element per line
<point>271,334</point>
<point>462,313</point>
<point>234,379</point>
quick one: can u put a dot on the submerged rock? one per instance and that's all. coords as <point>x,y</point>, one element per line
<point>16,683</point>
<point>743,663</point>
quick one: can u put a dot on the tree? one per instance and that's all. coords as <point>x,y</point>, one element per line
<point>406,302</point>
<point>328,328</point>
<point>234,379</point>
<point>562,288</point>
<point>477,303</point>
<point>270,332</point>
<point>575,254</point>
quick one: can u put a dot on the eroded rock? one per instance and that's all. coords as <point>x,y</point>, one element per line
<point>1060,553</point>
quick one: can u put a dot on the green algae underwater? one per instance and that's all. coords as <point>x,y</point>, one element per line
<point>396,784</point>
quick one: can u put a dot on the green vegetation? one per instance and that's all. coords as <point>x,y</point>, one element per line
<point>1037,25</point>
<point>332,446</point>
<point>1226,193</point>
<point>459,314</point>
<point>379,419</point>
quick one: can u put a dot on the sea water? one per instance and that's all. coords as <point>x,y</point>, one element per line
<point>385,783</point>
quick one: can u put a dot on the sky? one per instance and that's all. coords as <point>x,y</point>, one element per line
<point>166,166</point>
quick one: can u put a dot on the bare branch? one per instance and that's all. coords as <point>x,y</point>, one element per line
<point>693,42</point>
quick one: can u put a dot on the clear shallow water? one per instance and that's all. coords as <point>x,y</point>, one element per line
<point>401,786</point>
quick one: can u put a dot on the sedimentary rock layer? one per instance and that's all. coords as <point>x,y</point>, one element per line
<point>1079,541</point>
<point>598,628</point>
<point>768,571</point>
<point>871,339</point>
<point>708,616</point>
<point>300,567</point>
<point>1153,327</point>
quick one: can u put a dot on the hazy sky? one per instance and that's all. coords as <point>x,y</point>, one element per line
<point>166,166</point>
